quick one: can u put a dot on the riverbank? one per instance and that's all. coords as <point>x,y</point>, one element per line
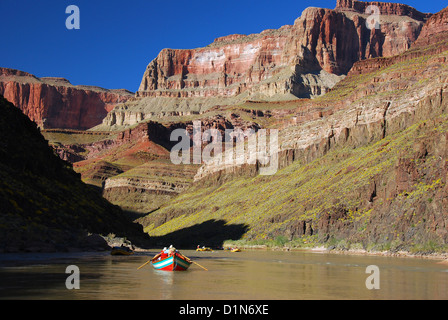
<point>343,249</point>
<point>396,254</point>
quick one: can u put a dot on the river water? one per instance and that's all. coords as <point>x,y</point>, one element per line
<point>247,275</point>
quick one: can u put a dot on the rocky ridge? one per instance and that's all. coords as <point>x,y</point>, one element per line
<point>320,39</point>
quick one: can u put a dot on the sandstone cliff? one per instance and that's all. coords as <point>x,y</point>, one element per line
<point>320,39</point>
<point>385,8</point>
<point>55,103</point>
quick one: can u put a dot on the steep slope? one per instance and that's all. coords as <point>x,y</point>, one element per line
<point>363,165</point>
<point>56,103</point>
<point>133,166</point>
<point>44,205</point>
<point>387,194</point>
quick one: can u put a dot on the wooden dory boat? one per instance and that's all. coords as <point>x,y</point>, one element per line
<point>175,262</point>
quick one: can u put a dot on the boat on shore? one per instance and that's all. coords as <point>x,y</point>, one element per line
<point>174,262</point>
<point>121,251</point>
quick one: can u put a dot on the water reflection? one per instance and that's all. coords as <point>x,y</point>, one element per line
<point>166,282</point>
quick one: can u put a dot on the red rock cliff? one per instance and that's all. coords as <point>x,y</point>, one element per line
<point>55,103</point>
<point>289,60</point>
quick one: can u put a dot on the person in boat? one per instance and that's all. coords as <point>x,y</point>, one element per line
<point>161,255</point>
<point>172,250</point>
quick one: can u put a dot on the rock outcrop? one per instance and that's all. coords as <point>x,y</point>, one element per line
<point>56,103</point>
<point>147,186</point>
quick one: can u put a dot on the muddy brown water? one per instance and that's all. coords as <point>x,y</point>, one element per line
<point>247,275</point>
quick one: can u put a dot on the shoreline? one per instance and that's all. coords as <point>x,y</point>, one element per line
<point>393,254</point>
<point>441,258</point>
<point>356,252</point>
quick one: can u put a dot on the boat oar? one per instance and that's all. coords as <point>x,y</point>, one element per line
<point>194,262</point>
<point>157,255</point>
<point>199,265</point>
<point>144,264</point>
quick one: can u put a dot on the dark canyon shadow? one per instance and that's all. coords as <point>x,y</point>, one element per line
<point>211,233</point>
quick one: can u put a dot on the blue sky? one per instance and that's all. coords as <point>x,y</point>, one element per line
<point>118,39</point>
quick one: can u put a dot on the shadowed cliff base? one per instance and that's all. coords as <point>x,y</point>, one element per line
<point>209,233</point>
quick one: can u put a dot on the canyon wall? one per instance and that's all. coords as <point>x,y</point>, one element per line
<point>56,103</point>
<point>379,96</point>
<point>363,167</point>
<point>435,29</point>
<point>275,60</point>
<point>303,60</point>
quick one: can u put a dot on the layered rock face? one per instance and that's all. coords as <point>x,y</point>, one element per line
<point>378,96</point>
<point>282,61</point>
<point>56,103</point>
<point>227,67</point>
<point>303,60</point>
